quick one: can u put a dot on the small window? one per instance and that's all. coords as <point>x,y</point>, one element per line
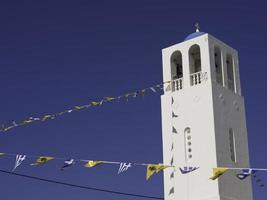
<point>230,72</point>
<point>218,64</point>
<point>232,145</point>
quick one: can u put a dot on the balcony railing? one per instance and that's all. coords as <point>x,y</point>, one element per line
<point>196,78</point>
<point>177,84</point>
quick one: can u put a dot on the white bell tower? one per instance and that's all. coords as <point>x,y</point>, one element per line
<point>203,120</point>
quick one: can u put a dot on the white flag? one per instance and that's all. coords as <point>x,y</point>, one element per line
<point>19,160</point>
<point>124,167</point>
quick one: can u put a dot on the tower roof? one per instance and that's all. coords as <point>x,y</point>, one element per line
<point>193,35</point>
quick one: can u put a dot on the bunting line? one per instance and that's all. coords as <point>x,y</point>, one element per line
<point>107,99</point>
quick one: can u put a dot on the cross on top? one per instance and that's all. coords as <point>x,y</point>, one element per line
<point>197,26</point>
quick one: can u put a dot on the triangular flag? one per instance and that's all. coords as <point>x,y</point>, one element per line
<point>172,147</point>
<point>174,115</point>
<point>154,168</point>
<point>93,163</point>
<point>245,173</point>
<point>171,191</point>
<point>42,160</point>
<point>109,98</point>
<point>168,88</point>
<point>135,94</point>
<point>174,130</point>
<point>79,107</point>
<point>124,167</point>
<point>186,170</point>
<point>143,92</point>
<point>46,117</point>
<point>94,103</point>
<point>218,172</point>
<point>153,89</point>
<point>19,160</point>
<point>68,163</point>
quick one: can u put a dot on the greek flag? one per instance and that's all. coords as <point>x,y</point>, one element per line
<point>245,173</point>
<point>124,167</point>
<point>19,160</point>
<point>68,163</point>
<point>186,170</point>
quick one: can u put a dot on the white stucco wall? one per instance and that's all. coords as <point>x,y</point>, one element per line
<point>209,110</point>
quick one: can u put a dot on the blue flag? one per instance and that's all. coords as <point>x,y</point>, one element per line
<point>68,163</point>
<point>245,173</point>
<point>186,170</point>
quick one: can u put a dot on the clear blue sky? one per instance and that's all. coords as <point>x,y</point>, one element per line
<point>56,54</point>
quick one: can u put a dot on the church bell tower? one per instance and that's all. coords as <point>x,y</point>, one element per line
<point>203,120</point>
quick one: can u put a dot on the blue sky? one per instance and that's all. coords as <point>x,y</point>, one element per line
<point>58,54</point>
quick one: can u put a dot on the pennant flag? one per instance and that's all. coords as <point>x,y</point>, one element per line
<point>109,98</point>
<point>124,167</point>
<point>153,89</point>
<point>174,115</point>
<point>94,103</point>
<point>93,163</point>
<point>174,130</point>
<point>154,168</point>
<point>27,121</point>
<point>79,107</point>
<point>245,173</point>
<point>168,88</point>
<point>42,160</point>
<point>218,172</point>
<point>172,175</point>
<point>126,96</point>
<point>143,92</point>
<point>171,191</point>
<point>172,161</point>
<point>19,160</point>
<point>186,170</point>
<point>172,147</point>
<point>68,163</point>
<point>14,123</point>
<point>46,117</point>
<point>135,94</point>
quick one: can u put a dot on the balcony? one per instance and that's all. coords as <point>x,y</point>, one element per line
<point>196,78</point>
<point>177,84</point>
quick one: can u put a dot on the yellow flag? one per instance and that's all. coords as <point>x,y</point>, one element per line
<point>93,163</point>
<point>143,92</point>
<point>46,117</point>
<point>42,160</point>
<point>79,107</point>
<point>218,172</point>
<point>94,103</point>
<point>109,98</point>
<point>154,168</point>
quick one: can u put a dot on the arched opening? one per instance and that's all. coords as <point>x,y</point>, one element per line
<point>195,64</point>
<point>218,64</point>
<point>230,72</point>
<point>176,65</point>
<point>176,70</point>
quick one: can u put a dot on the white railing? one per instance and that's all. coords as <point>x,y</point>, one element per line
<point>196,78</point>
<point>177,84</point>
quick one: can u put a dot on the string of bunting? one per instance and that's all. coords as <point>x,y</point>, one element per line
<point>68,162</point>
<point>155,88</point>
<point>151,169</point>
